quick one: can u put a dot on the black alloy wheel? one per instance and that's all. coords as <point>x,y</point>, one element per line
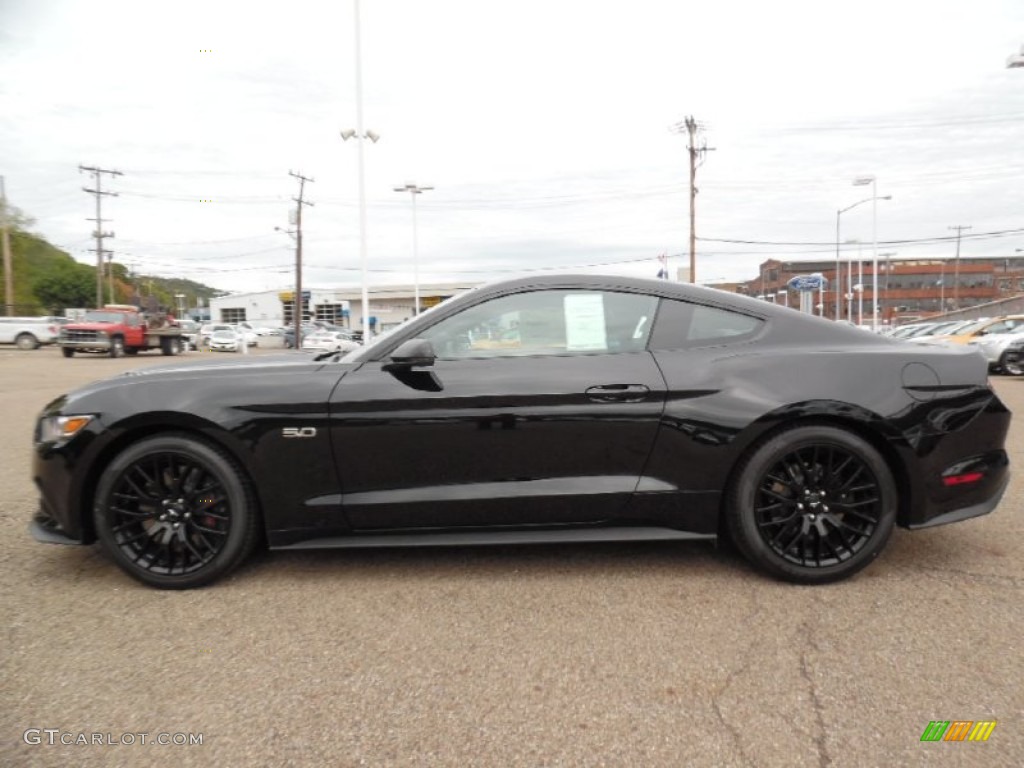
<point>813,504</point>
<point>175,512</point>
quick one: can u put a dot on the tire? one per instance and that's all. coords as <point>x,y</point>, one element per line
<point>116,346</point>
<point>1010,369</point>
<point>27,341</point>
<point>170,346</point>
<point>175,512</point>
<point>68,351</point>
<point>812,505</point>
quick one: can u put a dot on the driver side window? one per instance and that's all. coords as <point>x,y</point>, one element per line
<point>551,322</point>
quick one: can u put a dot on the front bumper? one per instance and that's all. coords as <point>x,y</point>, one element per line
<point>86,344</point>
<point>48,531</point>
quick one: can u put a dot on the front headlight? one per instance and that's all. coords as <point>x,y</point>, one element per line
<point>55,428</point>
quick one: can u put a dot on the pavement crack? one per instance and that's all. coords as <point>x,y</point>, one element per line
<point>819,739</point>
<point>732,730</point>
<point>990,579</point>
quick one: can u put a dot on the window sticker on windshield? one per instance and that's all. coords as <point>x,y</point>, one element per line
<point>584,322</point>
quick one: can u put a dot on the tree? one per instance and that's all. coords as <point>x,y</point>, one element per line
<point>67,284</point>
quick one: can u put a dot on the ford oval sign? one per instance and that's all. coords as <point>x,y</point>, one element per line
<point>808,283</point>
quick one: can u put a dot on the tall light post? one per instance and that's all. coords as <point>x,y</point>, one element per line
<point>888,271</point>
<point>849,282</point>
<point>839,213</point>
<point>414,190</point>
<point>873,181</point>
<point>360,134</point>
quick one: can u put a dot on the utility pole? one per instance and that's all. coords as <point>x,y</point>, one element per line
<point>697,153</point>
<point>298,254</point>
<point>5,237</point>
<point>956,277</point>
<point>99,234</point>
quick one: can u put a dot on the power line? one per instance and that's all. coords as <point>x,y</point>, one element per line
<point>924,240</point>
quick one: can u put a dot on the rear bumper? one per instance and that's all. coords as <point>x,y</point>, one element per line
<point>956,463</point>
<point>977,509</point>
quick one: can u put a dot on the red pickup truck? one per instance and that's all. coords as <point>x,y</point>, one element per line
<point>121,329</point>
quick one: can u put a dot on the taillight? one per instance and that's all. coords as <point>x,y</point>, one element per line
<point>964,479</point>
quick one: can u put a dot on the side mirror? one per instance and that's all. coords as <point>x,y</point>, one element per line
<point>411,353</point>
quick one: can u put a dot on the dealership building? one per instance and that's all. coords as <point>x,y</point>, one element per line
<point>389,305</point>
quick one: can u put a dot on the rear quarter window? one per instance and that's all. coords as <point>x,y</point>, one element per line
<point>681,325</point>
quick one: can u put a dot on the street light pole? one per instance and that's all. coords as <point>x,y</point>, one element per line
<point>414,190</point>
<point>839,213</point>
<point>361,173</point>
<point>888,271</point>
<point>873,181</point>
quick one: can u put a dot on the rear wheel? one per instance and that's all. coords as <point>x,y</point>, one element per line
<point>1010,368</point>
<point>175,512</point>
<point>812,505</point>
<point>27,341</point>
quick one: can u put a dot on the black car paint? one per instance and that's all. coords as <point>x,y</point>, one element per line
<point>530,442</point>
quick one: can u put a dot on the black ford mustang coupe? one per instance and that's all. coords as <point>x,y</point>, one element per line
<point>553,409</point>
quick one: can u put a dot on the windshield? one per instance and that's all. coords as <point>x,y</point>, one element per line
<point>102,317</point>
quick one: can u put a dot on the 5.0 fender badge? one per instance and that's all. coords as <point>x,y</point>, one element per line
<point>298,432</point>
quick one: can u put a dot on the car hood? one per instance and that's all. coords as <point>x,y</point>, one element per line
<point>207,368</point>
<point>89,326</point>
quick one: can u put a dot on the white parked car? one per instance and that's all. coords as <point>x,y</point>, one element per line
<point>225,341</point>
<point>329,341</point>
<point>248,332</point>
<point>28,332</point>
<point>995,347</point>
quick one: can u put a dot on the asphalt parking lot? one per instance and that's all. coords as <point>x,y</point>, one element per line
<point>618,655</point>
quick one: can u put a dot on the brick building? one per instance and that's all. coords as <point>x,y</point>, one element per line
<point>907,288</point>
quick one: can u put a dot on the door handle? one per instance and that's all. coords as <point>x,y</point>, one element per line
<point>618,393</point>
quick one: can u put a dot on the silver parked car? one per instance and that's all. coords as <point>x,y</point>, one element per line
<point>997,349</point>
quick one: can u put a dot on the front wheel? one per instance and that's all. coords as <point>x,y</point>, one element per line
<point>68,351</point>
<point>812,505</point>
<point>1010,368</point>
<point>175,512</point>
<point>116,346</point>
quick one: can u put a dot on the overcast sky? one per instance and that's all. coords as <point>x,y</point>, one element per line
<point>544,126</point>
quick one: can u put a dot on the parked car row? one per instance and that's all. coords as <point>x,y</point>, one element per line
<point>995,337</point>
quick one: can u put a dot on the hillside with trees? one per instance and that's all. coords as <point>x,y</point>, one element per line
<point>48,280</point>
